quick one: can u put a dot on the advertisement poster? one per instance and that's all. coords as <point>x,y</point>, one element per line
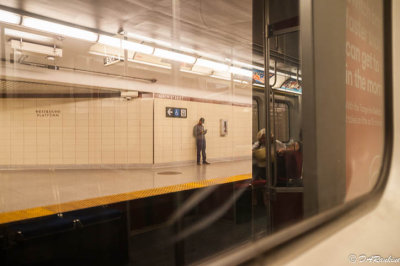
<point>258,76</point>
<point>364,95</point>
<point>291,85</point>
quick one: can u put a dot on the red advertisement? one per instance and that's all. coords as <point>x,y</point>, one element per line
<point>364,95</point>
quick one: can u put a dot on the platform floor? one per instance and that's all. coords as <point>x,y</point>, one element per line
<point>27,189</point>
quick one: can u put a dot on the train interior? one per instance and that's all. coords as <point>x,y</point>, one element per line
<point>99,105</point>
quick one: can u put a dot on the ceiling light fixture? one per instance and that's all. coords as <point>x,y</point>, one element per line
<point>59,29</point>
<point>219,77</point>
<point>238,63</point>
<point>174,56</point>
<point>202,54</point>
<point>147,39</point>
<point>149,64</point>
<point>118,43</point>
<point>9,17</point>
<point>36,48</point>
<point>193,72</point>
<point>211,64</point>
<point>110,41</point>
<point>137,47</point>
<point>27,36</point>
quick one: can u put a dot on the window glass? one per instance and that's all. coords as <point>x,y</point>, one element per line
<point>281,121</point>
<point>144,132</point>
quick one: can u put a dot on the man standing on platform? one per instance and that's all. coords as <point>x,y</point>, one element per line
<point>199,133</point>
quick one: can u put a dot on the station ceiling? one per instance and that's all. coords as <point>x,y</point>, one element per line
<point>221,27</point>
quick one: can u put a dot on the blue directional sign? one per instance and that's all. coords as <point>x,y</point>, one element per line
<point>176,112</point>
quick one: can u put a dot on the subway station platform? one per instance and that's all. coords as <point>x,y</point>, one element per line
<point>33,193</point>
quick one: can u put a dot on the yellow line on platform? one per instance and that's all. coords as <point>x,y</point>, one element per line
<point>13,216</point>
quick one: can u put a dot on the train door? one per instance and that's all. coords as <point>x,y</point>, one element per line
<point>279,128</point>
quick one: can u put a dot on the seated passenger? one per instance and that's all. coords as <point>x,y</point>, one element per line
<point>289,163</point>
<point>259,154</point>
<point>259,167</point>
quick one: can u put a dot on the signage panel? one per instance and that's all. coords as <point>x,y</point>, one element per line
<point>176,112</point>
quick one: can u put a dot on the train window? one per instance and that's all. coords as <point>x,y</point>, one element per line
<point>165,132</point>
<point>281,124</point>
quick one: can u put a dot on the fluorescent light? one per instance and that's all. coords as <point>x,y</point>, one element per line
<point>189,50</point>
<point>9,17</point>
<point>132,46</point>
<point>105,54</point>
<point>258,85</point>
<point>238,63</point>
<point>36,48</point>
<point>147,39</point>
<point>241,71</point>
<point>26,35</point>
<point>240,81</point>
<point>211,64</point>
<point>137,47</point>
<point>193,72</point>
<point>111,41</point>
<point>219,77</point>
<point>207,55</point>
<point>149,64</point>
<point>59,29</point>
<point>174,56</point>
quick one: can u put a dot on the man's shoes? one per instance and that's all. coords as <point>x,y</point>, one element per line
<point>198,163</point>
<point>205,162</point>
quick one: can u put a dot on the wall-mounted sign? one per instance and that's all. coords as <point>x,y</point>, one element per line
<point>291,85</point>
<point>175,112</point>
<point>223,129</point>
<point>111,60</point>
<point>48,113</point>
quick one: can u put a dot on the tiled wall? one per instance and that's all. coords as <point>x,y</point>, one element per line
<point>115,132</point>
<point>174,141</point>
<point>108,131</point>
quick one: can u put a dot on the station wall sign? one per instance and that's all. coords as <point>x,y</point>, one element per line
<point>111,60</point>
<point>176,112</point>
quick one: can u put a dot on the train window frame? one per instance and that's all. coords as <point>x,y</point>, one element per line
<point>366,202</point>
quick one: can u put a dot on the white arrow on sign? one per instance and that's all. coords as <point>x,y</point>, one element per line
<point>169,111</point>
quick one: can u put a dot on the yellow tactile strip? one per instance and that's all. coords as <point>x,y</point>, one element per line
<point>14,216</point>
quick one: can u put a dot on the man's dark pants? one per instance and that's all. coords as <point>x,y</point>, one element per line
<point>201,146</point>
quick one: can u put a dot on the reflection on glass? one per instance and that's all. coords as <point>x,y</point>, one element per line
<point>151,145</point>
<point>107,120</point>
